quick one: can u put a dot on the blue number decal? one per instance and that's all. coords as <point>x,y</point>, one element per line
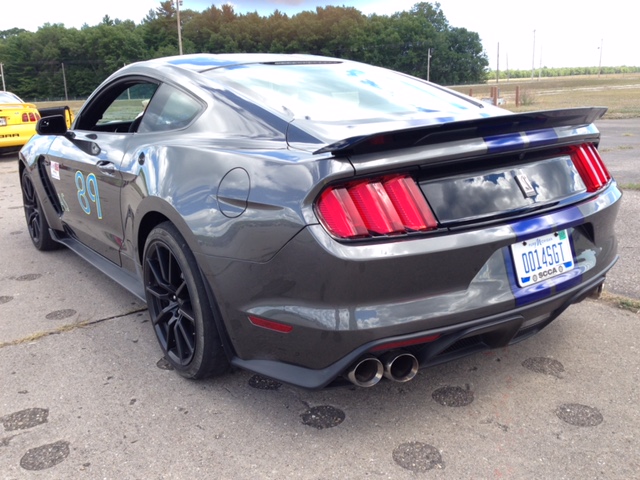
<point>94,195</point>
<point>88,193</point>
<point>82,193</point>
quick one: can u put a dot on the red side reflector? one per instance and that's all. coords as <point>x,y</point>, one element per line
<point>270,324</point>
<point>405,343</point>
<point>590,166</point>
<point>382,206</point>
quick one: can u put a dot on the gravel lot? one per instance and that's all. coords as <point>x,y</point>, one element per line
<point>84,392</point>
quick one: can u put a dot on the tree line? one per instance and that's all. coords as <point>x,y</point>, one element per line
<point>57,62</point>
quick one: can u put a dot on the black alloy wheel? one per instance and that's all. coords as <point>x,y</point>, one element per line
<point>182,317</point>
<point>36,222</point>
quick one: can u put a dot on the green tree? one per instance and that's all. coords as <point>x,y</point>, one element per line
<point>33,60</point>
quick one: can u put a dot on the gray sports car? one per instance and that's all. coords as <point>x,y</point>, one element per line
<point>319,221</point>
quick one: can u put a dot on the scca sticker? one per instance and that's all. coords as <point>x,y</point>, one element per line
<point>88,193</point>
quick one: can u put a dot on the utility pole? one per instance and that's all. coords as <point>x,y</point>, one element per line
<point>4,87</point>
<point>498,65</point>
<point>428,64</point>
<point>540,70</point>
<point>179,26</point>
<point>600,63</point>
<point>533,58</point>
<point>64,80</point>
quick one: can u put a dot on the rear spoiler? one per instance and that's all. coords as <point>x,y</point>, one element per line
<point>465,129</point>
<point>64,111</point>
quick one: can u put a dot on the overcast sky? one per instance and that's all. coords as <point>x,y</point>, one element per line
<point>567,32</point>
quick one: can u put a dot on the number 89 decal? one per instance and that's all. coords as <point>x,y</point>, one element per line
<point>88,193</point>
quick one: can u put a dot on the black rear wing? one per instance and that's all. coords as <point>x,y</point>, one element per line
<point>465,129</point>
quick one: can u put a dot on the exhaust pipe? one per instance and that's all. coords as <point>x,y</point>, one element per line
<point>400,366</point>
<point>366,372</point>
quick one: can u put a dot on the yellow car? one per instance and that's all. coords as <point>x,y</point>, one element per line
<point>17,121</point>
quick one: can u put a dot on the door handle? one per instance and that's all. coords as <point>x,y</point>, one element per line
<point>106,167</point>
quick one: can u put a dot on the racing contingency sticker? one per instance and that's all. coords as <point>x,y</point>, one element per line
<point>55,170</point>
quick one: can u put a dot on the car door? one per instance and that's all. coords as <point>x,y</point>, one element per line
<point>84,173</point>
<point>84,165</point>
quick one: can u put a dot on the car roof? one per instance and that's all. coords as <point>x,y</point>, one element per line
<point>200,62</point>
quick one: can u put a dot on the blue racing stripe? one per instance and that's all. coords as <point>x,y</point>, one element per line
<point>566,218</point>
<point>525,295</point>
<point>572,281</point>
<point>513,141</point>
<point>542,290</point>
<point>504,143</point>
<point>539,138</point>
<point>537,226</point>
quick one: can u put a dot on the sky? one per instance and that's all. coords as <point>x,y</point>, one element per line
<point>515,35</point>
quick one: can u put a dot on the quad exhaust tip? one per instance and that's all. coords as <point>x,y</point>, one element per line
<point>398,366</point>
<point>366,372</point>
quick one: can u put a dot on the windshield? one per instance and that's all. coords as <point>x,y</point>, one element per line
<point>337,91</point>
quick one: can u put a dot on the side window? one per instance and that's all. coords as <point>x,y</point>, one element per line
<point>129,105</point>
<point>119,107</point>
<point>170,109</point>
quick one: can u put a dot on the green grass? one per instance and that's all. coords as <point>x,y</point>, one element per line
<point>619,93</point>
<point>618,301</point>
<point>630,186</point>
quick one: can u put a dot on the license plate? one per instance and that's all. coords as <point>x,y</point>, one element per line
<point>3,121</point>
<point>541,258</point>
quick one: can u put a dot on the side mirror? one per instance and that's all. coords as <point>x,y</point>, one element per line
<point>53,125</point>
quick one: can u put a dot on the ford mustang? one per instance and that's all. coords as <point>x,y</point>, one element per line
<point>17,121</point>
<point>320,221</point>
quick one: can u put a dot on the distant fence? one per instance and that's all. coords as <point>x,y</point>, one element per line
<point>54,99</point>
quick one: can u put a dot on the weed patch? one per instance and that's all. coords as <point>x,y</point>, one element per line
<point>619,301</point>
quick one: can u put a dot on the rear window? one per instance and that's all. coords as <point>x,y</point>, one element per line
<point>337,91</point>
<point>6,97</point>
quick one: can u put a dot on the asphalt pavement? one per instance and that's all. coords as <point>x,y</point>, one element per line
<point>620,149</point>
<point>84,392</point>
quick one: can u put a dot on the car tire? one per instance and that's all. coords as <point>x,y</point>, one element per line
<point>37,224</point>
<point>182,317</point>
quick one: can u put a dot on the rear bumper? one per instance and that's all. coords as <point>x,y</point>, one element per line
<point>16,135</point>
<point>453,342</point>
<point>341,300</point>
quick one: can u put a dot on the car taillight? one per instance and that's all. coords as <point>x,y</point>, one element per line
<point>382,206</point>
<point>30,117</point>
<point>590,166</point>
